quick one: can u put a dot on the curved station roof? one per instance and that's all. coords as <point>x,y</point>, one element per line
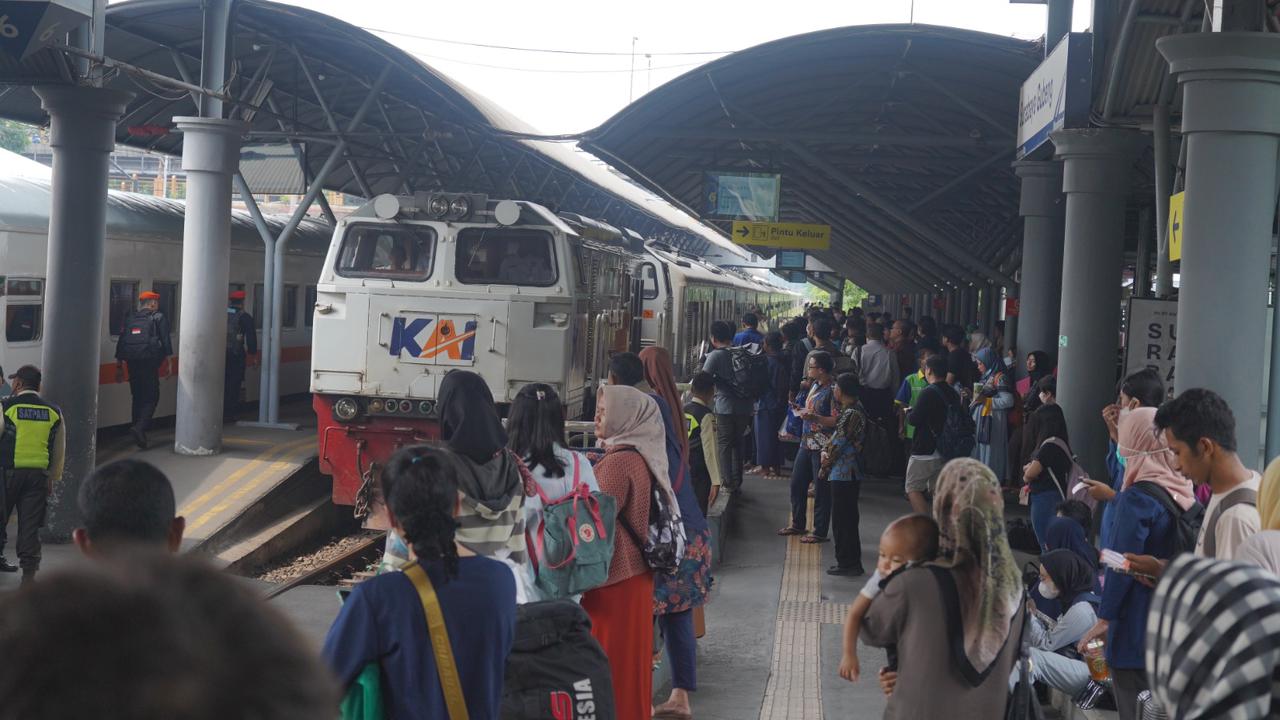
<point>901,137</point>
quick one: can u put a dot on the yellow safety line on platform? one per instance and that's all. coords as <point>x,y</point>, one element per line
<point>272,471</point>
<point>794,691</point>
<point>268,454</point>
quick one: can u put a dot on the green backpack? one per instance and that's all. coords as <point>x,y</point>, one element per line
<point>573,543</point>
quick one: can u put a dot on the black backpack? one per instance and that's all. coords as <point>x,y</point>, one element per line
<point>139,339</point>
<point>1186,523</point>
<point>877,454</point>
<point>556,669</point>
<point>750,372</point>
<point>959,432</point>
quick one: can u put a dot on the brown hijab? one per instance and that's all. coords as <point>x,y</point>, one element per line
<point>661,376</point>
<point>630,418</point>
<point>970,513</point>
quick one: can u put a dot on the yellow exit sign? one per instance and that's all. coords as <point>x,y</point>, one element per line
<point>789,236</point>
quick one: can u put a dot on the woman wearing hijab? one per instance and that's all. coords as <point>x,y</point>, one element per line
<point>491,478</point>
<point>990,410</point>
<point>1141,526</point>
<point>1066,534</point>
<point>1263,548</point>
<point>1046,474</point>
<point>677,595</point>
<point>630,430</point>
<point>1067,578</point>
<point>978,341</point>
<point>1213,641</point>
<point>954,660</point>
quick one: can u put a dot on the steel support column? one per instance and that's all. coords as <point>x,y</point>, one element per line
<point>1097,166</point>
<point>82,135</point>
<point>1142,261</point>
<point>210,156</point>
<point>1164,188</point>
<point>1231,128</point>
<point>1059,23</point>
<point>1043,208</point>
<point>213,54</point>
<point>266,349</point>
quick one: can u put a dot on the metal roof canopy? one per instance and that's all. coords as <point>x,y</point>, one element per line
<point>899,136</point>
<point>299,77</point>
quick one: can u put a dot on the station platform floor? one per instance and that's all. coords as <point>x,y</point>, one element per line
<point>211,491</point>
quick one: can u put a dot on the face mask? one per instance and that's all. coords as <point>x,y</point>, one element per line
<point>1047,591</point>
<point>1126,454</point>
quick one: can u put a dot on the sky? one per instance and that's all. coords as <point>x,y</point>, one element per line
<point>569,93</point>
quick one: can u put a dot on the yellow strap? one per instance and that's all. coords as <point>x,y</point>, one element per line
<point>445,665</point>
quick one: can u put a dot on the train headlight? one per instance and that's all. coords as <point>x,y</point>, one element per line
<point>460,208</point>
<point>346,409</point>
<point>438,207</point>
<point>425,407</point>
<point>375,406</point>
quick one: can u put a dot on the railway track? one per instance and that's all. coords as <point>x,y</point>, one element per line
<point>347,569</point>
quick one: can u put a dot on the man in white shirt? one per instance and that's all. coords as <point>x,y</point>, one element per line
<point>1201,431</point>
<point>877,368</point>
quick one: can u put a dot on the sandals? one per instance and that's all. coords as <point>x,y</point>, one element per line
<point>788,530</point>
<point>813,540</point>
<point>661,714</point>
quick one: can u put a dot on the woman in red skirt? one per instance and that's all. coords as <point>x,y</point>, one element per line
<point>630,428</point>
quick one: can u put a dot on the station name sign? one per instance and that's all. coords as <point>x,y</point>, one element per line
<point>1057,95</point>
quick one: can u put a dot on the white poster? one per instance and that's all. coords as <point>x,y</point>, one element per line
<point>1152,337</point>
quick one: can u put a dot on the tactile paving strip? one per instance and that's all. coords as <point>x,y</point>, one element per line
<point>794,691</point>
<point>819,612</point>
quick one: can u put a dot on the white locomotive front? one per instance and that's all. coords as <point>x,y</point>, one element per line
<point>415,287</point>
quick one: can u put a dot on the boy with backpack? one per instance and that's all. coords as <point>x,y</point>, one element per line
<point>940,434</point>
<point>733,405</point>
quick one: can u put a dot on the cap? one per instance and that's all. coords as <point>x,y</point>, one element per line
<point>237,295</point>
<point>29,375</point>
<point>148,295</point>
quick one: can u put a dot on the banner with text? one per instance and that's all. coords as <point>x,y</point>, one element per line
<point>1151,337</point>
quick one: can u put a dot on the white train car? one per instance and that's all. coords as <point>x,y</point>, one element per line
<point>683,295</point>
<point>144,252</point>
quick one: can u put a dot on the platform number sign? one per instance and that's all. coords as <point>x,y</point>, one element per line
<point>28,25</point>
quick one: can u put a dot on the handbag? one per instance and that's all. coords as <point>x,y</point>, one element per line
<point>1023,704</point>
<point>984,430</point>
<point>446,668</point>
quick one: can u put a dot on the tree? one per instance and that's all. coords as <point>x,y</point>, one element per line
<point>853,295</point>
<point>15,136</point>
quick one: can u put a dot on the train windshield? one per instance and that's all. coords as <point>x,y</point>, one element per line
<point>505,256</point>
<point>395,252</point>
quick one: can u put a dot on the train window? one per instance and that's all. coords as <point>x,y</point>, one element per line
<point>290,306</point>
<point>309,306</point>
<point>22,323</point>
<point>649,276</point>
<point>259,295</point>
<point>26,288</point>
<point>123,301</point>
<point>168,292</point>
<point>395,252</point>
<point>505,257</point>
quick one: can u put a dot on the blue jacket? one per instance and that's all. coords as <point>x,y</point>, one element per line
<point>690,513</point>
<point>1116,471</point>
<point>748,337</point>
<point>1141,526</point>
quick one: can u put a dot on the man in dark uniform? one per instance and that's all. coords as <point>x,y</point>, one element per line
<point>34,447</point>
<point>144,345</point>
<point>242,341</point>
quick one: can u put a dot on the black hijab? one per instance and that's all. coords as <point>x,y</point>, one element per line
<point>469,422</point>
<point>1070,573</point>
<point>1044,366</point>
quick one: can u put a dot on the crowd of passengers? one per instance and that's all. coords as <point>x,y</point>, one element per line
<point>1158,585</point>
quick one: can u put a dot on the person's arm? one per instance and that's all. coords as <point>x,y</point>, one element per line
<point>166,342</point>
<point>849,669</point>
<point>1039,628</point>
<point>352,641</point>
<point>1032,471</point>
<point>1003,399</point>
<point>57,452</point>
<point>1132,525</point>
<point>250,334</point>
<point>1072,626</point>
<point>710,454</point>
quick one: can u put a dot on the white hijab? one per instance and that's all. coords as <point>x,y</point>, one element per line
<point>1263,550</point>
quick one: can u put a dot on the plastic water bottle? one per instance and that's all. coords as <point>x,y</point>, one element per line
<point>1096,658</point>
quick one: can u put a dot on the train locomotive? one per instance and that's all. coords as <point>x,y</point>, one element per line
<point>415,287</point>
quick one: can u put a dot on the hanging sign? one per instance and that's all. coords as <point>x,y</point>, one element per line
<point>1012,307</point>
<point>733,195</point>
<point>1175,225</point>
<point>793,236</point>
<point>1057,94</point>
<point>1151,337</point>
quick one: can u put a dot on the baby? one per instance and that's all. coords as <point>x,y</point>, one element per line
<point>909,540</point>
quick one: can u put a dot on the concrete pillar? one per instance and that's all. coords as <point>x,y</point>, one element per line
<point>1097,166</point>
<point>1231,126</point>
<point>1043,209</point>
<point>210,156</point>
<point>82,124</point>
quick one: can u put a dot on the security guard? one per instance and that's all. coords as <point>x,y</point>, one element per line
<point>34,446</point>
<point>144,344</point>
<point>242,341</point>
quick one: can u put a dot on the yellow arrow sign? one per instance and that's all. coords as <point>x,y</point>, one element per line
<point>1175,225</point>
<point>790,236</point>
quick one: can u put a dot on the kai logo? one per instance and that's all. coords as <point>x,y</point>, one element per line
<point>443,340</point>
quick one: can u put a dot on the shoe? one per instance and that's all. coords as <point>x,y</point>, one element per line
<point>846,572</point>
<point>139,438</point>
<point>6,566</point>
